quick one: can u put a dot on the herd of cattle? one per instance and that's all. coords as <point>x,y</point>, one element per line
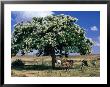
<point>66,64</point>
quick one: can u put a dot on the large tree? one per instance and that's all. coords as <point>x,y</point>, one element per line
<point>51,33</point>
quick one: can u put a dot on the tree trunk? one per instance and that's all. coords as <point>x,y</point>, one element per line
<point>53,57</point>
<point>60,53</point>
<point>53,62</point>
<point>60,48</point>
<point>46,51</point>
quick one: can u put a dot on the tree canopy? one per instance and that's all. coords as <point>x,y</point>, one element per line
<point>59,31</point>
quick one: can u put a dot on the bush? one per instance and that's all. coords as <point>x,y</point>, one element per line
<point>17,63</point>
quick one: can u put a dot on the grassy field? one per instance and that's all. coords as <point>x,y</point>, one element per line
<point>41,67</point>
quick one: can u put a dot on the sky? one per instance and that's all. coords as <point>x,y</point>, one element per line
<point>89,20</point>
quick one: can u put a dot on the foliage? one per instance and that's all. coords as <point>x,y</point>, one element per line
<point>58,31</point>
<point>17,63</point>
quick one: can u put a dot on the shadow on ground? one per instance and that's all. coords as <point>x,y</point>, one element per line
<point>35,67</point>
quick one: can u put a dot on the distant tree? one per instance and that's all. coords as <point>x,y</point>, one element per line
<point>51,33</point>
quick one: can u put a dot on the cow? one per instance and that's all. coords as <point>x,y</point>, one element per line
<point>84,63</point>
<point>58,62</point>
<point>67,64</point>
<point>64,64</point>
<point>70,62</point>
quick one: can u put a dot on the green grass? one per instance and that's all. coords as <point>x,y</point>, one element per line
<point>41,67</point>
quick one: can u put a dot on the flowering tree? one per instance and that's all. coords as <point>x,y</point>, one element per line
<point>50,33</point>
